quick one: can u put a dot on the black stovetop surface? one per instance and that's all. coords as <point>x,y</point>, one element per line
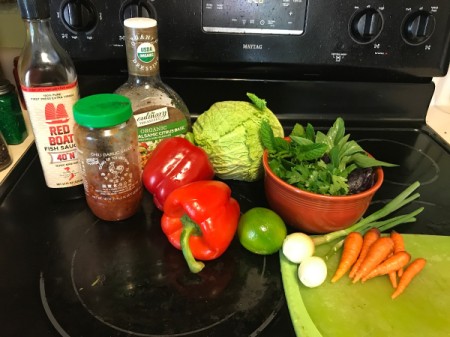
<point>65,273</point>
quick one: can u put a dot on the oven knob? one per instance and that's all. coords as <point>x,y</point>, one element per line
<point>136,8</point>
<point>418,27</point>
<point>78,15</point>
<point>366,25</point>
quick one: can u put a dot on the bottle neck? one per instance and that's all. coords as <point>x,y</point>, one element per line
<point>142,53</point>
<point>43,61</point>
<point>39,30</point>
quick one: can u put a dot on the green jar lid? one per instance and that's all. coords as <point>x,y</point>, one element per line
<point>102,110</point>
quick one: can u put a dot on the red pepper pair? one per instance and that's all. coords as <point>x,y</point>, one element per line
<point>173,163</point>
<point>201,219</point>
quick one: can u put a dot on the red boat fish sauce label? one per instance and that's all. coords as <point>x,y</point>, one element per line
<point>51,116</point>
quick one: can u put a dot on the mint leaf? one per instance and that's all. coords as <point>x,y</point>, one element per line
<point>301,140</point>
<point>310,132</point>
<point>298,130</point>
<point>312,151</point>
<point>266,136</point>
<point>281,144</point>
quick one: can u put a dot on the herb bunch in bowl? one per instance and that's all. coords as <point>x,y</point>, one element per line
<point>324,163</point>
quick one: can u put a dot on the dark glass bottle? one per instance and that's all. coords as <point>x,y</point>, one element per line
<point>49,85</point>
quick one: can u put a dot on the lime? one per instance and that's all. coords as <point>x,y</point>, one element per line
<point>261,231</point>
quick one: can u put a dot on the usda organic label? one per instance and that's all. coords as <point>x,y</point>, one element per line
<point>146,52</point>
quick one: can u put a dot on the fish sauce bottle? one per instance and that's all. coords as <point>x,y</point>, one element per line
<point>49,84</point>
<point>106,137</point>
<point>159,111</point>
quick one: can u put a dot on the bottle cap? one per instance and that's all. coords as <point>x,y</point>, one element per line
<point>102,110</point>
<point>139,22</point>
<point>34,9</point>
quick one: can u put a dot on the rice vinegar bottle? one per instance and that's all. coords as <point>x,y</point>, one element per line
<point>159,111</point>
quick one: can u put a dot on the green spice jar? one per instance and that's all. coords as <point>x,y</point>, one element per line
<point>107,146</point>
<point>12,124</point>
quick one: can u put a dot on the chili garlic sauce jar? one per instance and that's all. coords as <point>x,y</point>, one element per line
<point>106,138</point>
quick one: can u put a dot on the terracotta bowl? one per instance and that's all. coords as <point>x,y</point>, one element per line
<point>315,213</point>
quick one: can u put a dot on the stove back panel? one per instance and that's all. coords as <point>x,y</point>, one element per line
<point>267,38</point>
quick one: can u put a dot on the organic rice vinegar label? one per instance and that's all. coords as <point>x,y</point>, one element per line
<point>51,116</point>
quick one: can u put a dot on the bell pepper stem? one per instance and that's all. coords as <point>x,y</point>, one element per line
<point>190,228</point>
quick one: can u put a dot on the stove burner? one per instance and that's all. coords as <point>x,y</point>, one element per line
<point>414,163</point>
<point>125,279</point>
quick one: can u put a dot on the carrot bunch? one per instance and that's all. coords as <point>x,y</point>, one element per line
<point>375,255</point>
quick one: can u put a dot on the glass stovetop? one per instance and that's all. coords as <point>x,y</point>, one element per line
<point>68,274</point>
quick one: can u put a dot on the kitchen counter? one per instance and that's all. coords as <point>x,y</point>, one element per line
<point>438,118</point>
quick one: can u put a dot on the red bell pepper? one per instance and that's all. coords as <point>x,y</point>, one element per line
<point>173,163</point>
<point>201,219</point>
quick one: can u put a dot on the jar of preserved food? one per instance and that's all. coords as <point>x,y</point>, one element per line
<point>5,158</point>
<point>12,123</point>
<point>107,145</point>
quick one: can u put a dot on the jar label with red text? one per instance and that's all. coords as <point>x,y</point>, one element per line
<point>51,116</point>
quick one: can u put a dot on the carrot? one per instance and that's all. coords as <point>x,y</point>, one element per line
<point>377,253</point>
<point>391,264</point>
<point>410,272</point>
<point>399,245</point>
<point>393,275</point>
<point>352,247</point>
<point>393,278</point>
<point>369,238</point>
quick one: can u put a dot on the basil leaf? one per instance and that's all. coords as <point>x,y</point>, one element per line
<point>364,161</point>
<point>335,158</point>
<point>337,131</point>
<point>324,139</point>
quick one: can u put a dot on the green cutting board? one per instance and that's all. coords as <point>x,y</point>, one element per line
<point>344,309</point>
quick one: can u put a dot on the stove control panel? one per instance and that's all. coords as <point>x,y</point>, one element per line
<point>78,16</point>
<point>418,27</point>
<point>286,17</point>
<point>404,37</point>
